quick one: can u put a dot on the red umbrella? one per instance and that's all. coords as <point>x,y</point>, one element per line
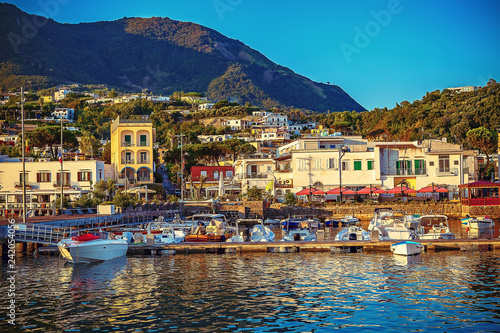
<point>379,191</point>
<point>399,189</point>
<point>318,192</point>
<point>336,190</point>
<point>442,190</point>
<point>344,191</point>
<point>368,190</point>
<point>306,191</point>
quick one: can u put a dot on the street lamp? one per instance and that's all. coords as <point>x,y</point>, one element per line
<point>125,171</point>
<point>342,152</point>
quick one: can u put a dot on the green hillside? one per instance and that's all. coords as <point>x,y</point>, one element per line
<point>158,54</point>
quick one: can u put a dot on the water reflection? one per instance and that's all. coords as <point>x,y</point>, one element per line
<point>263,293</point>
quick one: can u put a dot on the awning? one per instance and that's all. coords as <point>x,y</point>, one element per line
<point>306,191</point>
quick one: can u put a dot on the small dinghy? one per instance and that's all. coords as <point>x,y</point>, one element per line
<point>406,248</point>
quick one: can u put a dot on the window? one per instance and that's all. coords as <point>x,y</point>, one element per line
<point>43,177</point>
<point>65,179</point>
<point>229,174</point>
<point>144,157</point>
<point>216,174</point>
<point>331,163</point>
<point>268,168</point>
<point>431,163</point>
<point>128,157</point>
<point>403,167</point>
<point>26,180</point>
<point>128,139</point>
<point>455,162</point>
<point>370,165</point>
<point>333,146</point>
<point>357,165</point>
<point>302,164</point>
<point>143,141</point>
<point>317,163</point>
<point>84,176</point>
<point>444,163</point>
<point>345,165</point>
<point>419,167</point>
<point>203,173</point>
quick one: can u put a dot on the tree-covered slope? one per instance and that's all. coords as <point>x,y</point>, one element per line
<point>159,54</point>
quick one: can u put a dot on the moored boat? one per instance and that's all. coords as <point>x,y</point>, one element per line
<point>353,232</point>
<point>261,233</point>
<point>332,222</point>
<point>303,234</point>
<point>216,231</point>
<point>434,227</point>
<point>92,248</point>
<point>348,220</point>
<point>482,222</point>
<point>406,248</point>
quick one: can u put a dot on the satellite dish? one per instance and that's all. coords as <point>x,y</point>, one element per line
<point>419,142</point>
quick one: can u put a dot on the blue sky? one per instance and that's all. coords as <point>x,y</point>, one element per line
<point>379,52</point>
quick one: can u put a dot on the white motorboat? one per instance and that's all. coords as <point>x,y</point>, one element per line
<point>434,227</point>
<point>482,222</point>
<point>390,225</point>
<point>272,222</point>
<point>261,233</point>
<point>406,248</point>
<point>92,248</point>
<point>303,234</point>
<point>353,232</point>
<point>170,236</point>
<point>348,220</point>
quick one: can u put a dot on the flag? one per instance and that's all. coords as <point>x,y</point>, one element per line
<point>60,157</point>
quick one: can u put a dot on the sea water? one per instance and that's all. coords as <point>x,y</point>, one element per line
<point>299,292</point>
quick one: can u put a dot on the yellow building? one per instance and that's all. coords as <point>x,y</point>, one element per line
<point>132,143</point>
<point>48,99</point>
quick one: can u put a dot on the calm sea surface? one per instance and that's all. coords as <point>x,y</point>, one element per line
<point>320,292</point>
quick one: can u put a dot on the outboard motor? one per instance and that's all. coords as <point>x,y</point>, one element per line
<point>353,236</point>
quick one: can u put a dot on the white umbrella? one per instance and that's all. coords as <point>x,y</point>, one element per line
<point>221,187</point>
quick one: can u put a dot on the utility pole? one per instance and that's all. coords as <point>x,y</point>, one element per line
<point>182,169</point>
<point>23,155</point>
<point>62,173</point>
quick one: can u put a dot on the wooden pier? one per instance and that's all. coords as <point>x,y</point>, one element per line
<point>481,245</point>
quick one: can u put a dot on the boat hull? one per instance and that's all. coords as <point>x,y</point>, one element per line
<point>207,238</point>
<point>92,251</point>
<point>406,248</point>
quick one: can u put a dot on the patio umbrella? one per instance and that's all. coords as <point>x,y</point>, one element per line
<point>429,189</point>
<point>368,190</point>
<point>379,191</point>
<point>306,191</point>
<point>222,190</point>
<point>318,192</point>
<point>344,191</point>
<point>401,189</point>
<point>442,190</point>
<point>348,192</point>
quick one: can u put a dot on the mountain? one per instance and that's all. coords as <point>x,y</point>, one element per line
<point>159,54</point>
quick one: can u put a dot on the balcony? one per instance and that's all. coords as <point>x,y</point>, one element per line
<point>20,184</point>
<point>128,144</point>
<point>143,144</point>
<point>143,161</point>
<point>65,183</point>
<point>406,172</point>
<point>128,161</point>
<point>446,171</point>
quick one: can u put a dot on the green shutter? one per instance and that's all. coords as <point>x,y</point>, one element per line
<point>357,165</point>
<point>369,165</point>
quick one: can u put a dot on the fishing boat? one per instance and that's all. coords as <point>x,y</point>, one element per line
<point>478,222</point>
<point>89,248</point>
<point>332,222</point>
<point>216,231</point>
<point>199,220</point>
<point>406,248</point>
<point>302,234</point>
<point>353,232</point>
<point>434,227</point>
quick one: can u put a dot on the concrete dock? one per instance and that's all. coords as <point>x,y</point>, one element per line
<point>298,247</point>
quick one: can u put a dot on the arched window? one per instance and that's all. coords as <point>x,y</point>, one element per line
<point>318,185</point>
<point>279,193</point>
<point>216,174</point>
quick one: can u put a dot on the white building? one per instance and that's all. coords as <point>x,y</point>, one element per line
<point>65,113</point>
<point>274,120</point>
<point>43,179</point>
<point>214,138</point>
<point>61,94</point>
<point>205,106</point>
<point>464,89</point>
